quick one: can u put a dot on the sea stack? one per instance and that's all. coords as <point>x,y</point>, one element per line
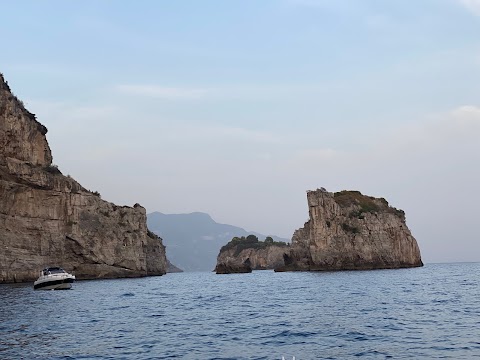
<point>244,254</point>
<point>48,219</point>
<point>351,231</point>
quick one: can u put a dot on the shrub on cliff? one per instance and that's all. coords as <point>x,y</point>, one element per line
<point>53,169</point>
<point>366,204</point>
<point>349,198</point>
<point>250,242</point>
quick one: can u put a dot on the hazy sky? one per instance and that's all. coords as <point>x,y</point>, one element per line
<point>236,108</point>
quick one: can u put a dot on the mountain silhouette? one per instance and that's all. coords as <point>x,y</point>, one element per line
<point>194,240</point>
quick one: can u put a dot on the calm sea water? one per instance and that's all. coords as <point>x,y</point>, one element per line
<point>425,313</point>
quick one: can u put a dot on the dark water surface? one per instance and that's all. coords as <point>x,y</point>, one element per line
<point>426,313</point>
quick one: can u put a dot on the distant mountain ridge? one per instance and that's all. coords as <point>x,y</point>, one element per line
<point>194,240</point>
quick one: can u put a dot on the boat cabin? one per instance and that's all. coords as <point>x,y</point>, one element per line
<point>53,270</point>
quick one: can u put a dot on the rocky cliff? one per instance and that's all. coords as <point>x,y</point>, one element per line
<point>49,219</point>
<point>257,255</point>
<point>351,231</point>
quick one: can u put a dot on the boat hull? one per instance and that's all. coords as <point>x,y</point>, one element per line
<point>62,284</point>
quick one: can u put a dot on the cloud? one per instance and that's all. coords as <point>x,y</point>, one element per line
<point>467,113</point>
<point>389,158</point>
<point>459,126</point>
<point>472,5</point>
<point>65,115</point>
<point>160,92</point>
<point>221,92</point>
<point>438,131</point>
<point>194,134</point>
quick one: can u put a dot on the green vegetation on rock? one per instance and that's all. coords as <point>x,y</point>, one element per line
<point>348,198</point>
<point>250,242</point>
<point>365,204</point>
<point>53,169</point>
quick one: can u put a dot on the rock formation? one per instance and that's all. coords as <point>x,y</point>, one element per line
<point>49,219</point>
<point>240,254</point>
<point>351,231</point>
<point>234,267</point>
<point>172,268</point>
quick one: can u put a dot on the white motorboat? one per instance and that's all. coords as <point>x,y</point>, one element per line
<point>54,278</point>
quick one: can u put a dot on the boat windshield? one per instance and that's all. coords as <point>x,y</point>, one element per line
<point>54,270</point>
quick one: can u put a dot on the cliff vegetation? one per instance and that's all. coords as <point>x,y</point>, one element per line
<point>250,242</point>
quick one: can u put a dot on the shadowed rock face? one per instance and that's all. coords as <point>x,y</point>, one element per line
<point>270,257</point>
<point>234,267</point>
<point>351,231</point>
<point>49,219</point>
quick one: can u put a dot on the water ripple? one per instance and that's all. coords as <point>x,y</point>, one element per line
<point>430,312</point>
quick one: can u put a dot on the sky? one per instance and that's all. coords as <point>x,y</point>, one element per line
<point>237,108</point>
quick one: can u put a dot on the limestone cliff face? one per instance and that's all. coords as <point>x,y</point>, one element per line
<point>270,257</point>
<point>350,231</point>
<point>49,219</point>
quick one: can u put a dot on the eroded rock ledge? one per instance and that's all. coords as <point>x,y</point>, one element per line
<point>50,219</point>
<point>351,231</point>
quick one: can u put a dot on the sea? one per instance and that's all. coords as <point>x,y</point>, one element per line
<point>431,312</point>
